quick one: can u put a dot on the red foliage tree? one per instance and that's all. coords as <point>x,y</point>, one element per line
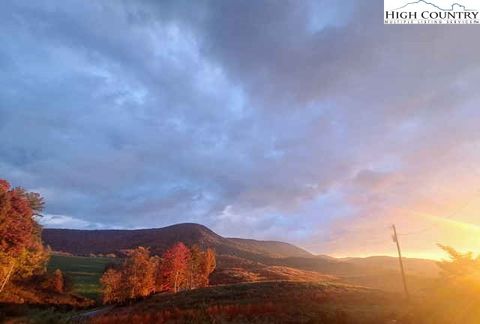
<point>174,267</point>
<point>22,253</point>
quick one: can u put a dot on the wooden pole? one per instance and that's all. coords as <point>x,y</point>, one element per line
<point>402,270</point>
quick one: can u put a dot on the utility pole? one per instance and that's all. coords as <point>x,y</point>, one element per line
<point>402,270</point>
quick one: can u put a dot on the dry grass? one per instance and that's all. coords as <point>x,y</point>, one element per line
<point>262,302</point>
<point>232,270</point>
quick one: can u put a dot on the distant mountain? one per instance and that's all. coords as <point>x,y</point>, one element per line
<point>420,267</point>
<point>271,248</point>
<point>86,242</point>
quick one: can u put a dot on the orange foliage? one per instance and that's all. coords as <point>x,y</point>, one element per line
<point>112,286</point>
<point>138,273</point>
<point>141,274</point>
<point>174,267</point>
<point>58,281</point>
<point>21,250</point>
<point>135,278</point>
<point>208,265</point>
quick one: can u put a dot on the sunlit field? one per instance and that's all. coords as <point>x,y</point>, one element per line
<point>84,272</point>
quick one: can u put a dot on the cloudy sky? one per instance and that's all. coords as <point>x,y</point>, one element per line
<point>304,121</point>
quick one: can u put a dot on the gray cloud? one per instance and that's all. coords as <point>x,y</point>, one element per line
<point>268,119</point>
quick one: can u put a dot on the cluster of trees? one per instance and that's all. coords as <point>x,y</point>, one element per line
<point>141,274</point>
<point>22,253</point>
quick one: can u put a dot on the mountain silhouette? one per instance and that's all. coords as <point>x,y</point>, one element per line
<point>452,7</point>
<point>86,242</point>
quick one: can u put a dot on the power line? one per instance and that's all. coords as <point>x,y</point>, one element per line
<point>383,239</point>
<point>452,214</point>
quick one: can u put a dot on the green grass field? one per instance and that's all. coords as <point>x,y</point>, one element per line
<point>85,272</point>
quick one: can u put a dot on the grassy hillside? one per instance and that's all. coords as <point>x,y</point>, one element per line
<point>271,248</point>
<point>231,270</point>
<point>271,302</point>
<point>85,272</point>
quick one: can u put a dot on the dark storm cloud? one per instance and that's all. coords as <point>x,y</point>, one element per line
<point>240,115</point>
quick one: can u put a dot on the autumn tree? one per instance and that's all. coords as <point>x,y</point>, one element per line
<point>195,267</point>
<point>112,289</point>
<point>175,266</point>
<point>207,267</point>
<point>134,278</point>
<point>161,283</point>
<point>201,265</point>
<point>22,253</point>
<point>58,281</point>
<point>460,264</point>
<point>139,273</point>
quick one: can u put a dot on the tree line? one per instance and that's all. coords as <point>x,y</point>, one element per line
<point>141,274</point>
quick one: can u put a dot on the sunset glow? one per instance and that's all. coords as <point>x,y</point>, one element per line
<point>232,161</point>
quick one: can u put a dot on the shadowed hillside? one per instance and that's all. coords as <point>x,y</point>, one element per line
<point>85,242</point>
<point>271,248</point>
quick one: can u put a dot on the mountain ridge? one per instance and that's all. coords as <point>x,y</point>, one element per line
<point>105,241</point>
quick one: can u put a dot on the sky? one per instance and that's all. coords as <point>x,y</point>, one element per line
<point>309,122</point>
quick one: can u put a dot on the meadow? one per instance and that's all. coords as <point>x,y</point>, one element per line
<point>84,272</point>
